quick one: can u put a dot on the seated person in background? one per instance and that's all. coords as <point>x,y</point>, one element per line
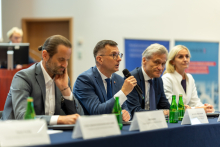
<point>97,87</point>
<point>177,81</point>
<point>47,82</point>
<point>148,79</point>
<point>15,36</point>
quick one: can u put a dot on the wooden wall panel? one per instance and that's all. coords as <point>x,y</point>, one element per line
<point>36,31</point>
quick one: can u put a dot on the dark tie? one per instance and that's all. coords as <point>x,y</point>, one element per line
<point>109,88</point>
<point>152,96</point>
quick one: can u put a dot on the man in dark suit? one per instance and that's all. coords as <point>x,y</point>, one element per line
<point>97,87</point>
<point>47,82</point>
<point>148,78</point>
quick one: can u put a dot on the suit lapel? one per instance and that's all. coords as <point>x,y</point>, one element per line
<point>58,97</point>
<point>99,81</point>
<point>178,78</point>
<point>188,90</point>
<point>41,82</point>
<point>113,84</point>
<point>142,82</point>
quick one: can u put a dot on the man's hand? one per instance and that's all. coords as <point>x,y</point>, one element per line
<point>19,66</point>
<point>68,119</point>
<point>129,85</point>
<point>61,82</point>
<point>125,115</point>
<point>166,112</point>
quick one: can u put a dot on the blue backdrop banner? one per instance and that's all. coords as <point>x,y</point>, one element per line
<point>134,49</point>
<point>204,69</point>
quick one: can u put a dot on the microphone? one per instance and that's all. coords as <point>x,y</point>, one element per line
<point>138,89</point>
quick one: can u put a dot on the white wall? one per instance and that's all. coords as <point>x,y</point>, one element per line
<point>95,20</point>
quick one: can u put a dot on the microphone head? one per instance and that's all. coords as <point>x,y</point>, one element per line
<point>126,73</point>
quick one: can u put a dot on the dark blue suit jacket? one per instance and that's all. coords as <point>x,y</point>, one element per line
<point>134,100</point>
<point>90,91</point>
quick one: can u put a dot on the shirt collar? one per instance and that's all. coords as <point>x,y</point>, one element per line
<point>103,76</point>
<point>47,77</point>
<point>146,77</point>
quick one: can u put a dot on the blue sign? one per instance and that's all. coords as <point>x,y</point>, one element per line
<point>204,69</point>
<point>134,49</point>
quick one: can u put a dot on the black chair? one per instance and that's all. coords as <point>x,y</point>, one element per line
<point>0,114</point>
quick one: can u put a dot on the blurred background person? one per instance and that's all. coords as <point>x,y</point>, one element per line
<point>15,36</point>
<point>176,81</point>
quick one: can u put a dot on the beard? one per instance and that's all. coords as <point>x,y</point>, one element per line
<point>53,68</point>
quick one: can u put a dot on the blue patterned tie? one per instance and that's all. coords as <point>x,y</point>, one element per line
<point>109,88</point>
<point>152,96</point>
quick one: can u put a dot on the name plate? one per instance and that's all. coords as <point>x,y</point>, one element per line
<point>89,127</point>
<point>23,133</point>
<point>194,117</point>
<point>148,120</point>
<point>218,119</point>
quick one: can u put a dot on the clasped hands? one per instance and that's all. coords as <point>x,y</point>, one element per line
<point>207,107</point>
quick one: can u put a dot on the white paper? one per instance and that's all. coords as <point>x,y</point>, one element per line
<point>96,126</point>
<point>148,120</point>
<point>23,133</point>
<point>194,117</point>
<point>195,121</point>
<point>186,119</point>
<point>54,131</point>
<point>218,119</point>
<point>134,123</point>
<point>77,133</point>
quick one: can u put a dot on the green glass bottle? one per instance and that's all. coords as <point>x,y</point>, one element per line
<point>181,107</point>
<point>117,111</point>
<point>30,113</point>
<point>173,117</point>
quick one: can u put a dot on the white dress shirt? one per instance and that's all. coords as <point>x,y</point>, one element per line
<point>147,89</point>
<point>120,94</point>
<point>50,96</point>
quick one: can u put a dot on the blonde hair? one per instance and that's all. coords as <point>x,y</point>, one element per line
<point>14,29</point>
<point>154,49</point>
<point>171,56</point>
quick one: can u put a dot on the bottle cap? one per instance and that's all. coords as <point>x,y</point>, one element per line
<point>30,99</point>
<point>180,94</point>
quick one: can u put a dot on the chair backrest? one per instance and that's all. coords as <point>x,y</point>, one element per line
<point>1,114</point>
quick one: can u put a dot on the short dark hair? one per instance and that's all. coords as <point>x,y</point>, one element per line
<point>50,45</point>
<point>101,45</point>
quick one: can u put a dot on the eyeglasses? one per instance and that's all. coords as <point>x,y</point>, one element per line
<point>115,56</point>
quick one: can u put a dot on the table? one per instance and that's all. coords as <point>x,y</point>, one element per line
<point>175,135</point>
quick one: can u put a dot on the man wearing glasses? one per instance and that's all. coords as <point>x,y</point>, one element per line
<point>97,87</point>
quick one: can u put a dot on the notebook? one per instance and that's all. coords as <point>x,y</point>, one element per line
<point>126,123</point>
<point>61,127</point>
<point>215,114</point>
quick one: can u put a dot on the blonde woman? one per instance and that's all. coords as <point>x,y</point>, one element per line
<point>176,81</point>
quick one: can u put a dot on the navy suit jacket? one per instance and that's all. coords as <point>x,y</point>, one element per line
<point>134,100</point>
<point>90,91</point>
